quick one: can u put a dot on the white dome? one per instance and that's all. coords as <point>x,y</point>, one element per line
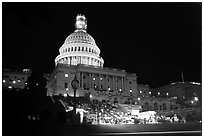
<point>80,47</point>
<point>80,37</point>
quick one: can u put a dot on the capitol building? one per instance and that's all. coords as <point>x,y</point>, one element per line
<point>80,56</point>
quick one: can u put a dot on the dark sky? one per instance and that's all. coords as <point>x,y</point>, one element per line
<point>154,40</point>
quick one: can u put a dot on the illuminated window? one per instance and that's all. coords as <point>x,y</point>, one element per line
<point>101,78</point>
<point>65,94</point>
<point>9,87</point>
<point>94,78</point>
<point>19,80</point>
<point>66,75</point>
<point>130,90</point>
<point>150,92</point>
<point>14,82</point>
<point>4,81</point>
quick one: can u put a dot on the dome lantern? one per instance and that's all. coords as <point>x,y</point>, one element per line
<point>81,23</point>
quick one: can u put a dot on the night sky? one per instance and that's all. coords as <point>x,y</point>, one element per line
<point>154,40</point>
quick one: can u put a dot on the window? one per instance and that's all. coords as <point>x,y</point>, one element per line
<point>130,82</point>
<point>155,106</point>
<point>82,48</point>
<point>160,107</point>
<point>66,75</point>
<point>75,49</point>
<point>84,77</point>
<point>164,106</point>
<point>65,85</point>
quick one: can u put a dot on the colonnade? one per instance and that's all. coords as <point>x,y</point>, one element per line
<point>99,80</point>
<point>74,60</point>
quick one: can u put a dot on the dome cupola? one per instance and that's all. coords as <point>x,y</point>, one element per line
<point>80,47</point>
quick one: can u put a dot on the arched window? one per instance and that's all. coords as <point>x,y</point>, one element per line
<point>82,48</point>
<point>89,49</point>
<point>75,49</point>
<point>146,105</point>
<point>68,49</point>
<point>155,106</point>
<point>79,48</point>
<point>72,49</point>
<point>86,49</point>
<point>92,50</point>
<point>164,106</point>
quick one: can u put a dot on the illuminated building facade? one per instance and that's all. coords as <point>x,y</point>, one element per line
<point>15,79</point>
<point>80,56</point>
<point>179,90</point>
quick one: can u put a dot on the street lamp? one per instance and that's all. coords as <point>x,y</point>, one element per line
<point>75,85</point>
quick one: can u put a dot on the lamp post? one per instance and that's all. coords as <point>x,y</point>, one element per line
<point>75,85</point>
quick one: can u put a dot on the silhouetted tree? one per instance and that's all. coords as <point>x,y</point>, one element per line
<point>36,83</point>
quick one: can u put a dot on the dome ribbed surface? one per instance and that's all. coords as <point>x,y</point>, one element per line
<point>80,37</point>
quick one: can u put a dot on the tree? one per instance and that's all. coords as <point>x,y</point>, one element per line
<point>36,83</point>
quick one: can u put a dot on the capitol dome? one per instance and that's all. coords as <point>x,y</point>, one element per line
<point>80,37</point>
<point>80,47</point>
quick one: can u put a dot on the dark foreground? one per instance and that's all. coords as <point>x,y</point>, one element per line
<point>173,129</point>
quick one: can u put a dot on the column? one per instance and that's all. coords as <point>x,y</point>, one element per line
<point>82,79</point>
<point>70,60</point>
<point>116,83</point>
<point>113,83</point>
<point>122,84</point>
<point>125,84</point>
<point>91,61</point>
<point>105,82</point>
<point>89,80</point>
<point>99,81</point>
